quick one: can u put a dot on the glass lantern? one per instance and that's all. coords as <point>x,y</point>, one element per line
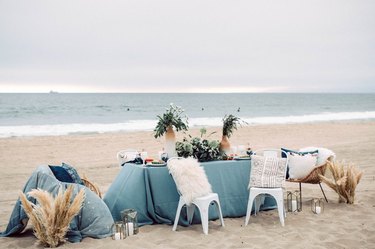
<point>130,221</point>
<point>293,201</point>
<point>317,206</point>
<point>118,230</point>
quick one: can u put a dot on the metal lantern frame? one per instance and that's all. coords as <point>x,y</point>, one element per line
<point>118,230</point>
<point>293,197</point>
<point>317,205</point>
<point>130,221</point>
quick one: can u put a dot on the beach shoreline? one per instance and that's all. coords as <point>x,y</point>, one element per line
<point>340,226</point>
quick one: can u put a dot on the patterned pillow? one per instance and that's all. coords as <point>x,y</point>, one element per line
<point>267,172</point>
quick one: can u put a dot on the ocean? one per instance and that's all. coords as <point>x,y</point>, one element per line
<point>53,114</point>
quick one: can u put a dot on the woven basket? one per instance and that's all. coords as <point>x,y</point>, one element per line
<point>313,177</point>
<point>92,186</point>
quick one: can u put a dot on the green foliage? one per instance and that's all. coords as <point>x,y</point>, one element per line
<point>230,123</point>
<point>172,117</point>
<point>200,148</point>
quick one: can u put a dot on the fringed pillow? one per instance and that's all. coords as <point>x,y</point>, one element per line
<point>267,172</point>
<point>190,178</point>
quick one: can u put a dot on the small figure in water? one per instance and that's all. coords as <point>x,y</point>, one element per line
<point>239,109</point>
<point>202,109</point>
<point>128,109</point>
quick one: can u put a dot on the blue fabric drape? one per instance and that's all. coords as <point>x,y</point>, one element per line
<point>152,192</point>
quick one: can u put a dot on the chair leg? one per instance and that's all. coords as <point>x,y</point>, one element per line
<point>249,207</point>
<point>190,212</point>
<point>181,203</point>
<point>321,188</point>
<point>300,194</point>
<point>204,217</point>
<point>280,206</point>
<point>218,209</point>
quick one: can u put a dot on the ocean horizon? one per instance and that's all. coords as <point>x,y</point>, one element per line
<point>54,114</point>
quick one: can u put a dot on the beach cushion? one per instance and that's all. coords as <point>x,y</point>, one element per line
<point>267,172</point>
<point>323,154</point>
<point>66,173</point>
<point>300,165</point>
<point>289,151</point>
<point>190,178</point>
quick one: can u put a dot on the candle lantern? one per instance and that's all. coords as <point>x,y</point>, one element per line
<point>317,206</point>
<point>118,230</point>
<point>130,220</point>
<point>293,201</point>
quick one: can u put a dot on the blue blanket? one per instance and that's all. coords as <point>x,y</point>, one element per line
<point>152,192</point>
<point>94,219</point>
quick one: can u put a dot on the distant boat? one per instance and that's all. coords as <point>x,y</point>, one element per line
<point>53,92</point>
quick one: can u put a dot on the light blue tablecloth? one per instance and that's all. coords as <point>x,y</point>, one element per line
<point>152,192</point>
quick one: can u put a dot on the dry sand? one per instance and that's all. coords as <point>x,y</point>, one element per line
<point>340,226</point>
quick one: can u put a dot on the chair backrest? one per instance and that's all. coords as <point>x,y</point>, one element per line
<point>190,178</point>
<point>127,155</point>
<point>268,168</point>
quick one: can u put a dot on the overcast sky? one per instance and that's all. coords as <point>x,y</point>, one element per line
<point>187,46</point>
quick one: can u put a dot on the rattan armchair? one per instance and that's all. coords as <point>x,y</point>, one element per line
<point>312,178</point>
<point>92,186</point>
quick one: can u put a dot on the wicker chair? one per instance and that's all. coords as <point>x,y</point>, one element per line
<point>92,186</point>
<point>312,178</point>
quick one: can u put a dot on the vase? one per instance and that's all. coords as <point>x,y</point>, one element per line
<point>170,142</point>
<point>225,145</point>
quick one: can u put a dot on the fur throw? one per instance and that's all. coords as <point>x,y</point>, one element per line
<point>190,178</point>
<point>324,155</point>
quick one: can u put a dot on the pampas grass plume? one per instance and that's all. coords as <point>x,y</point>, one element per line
<point>345,179</point>
<point>51,216</point>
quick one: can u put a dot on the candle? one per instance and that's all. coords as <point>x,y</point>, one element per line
<point>130,228</point>
<point>117,236</point>
<point>318,210</point>
<point>294,205</point>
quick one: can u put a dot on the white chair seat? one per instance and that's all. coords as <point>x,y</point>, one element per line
<point>203,204</point>
<point>127,155</point>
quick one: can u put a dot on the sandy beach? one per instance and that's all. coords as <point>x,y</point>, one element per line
<point>340,226</point>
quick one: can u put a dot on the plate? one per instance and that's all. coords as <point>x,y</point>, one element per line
<point>242,158</point>
<point>156,165</point>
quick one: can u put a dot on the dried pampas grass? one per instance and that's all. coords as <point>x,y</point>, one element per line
<point>345,180</point>
<point>51,216</point>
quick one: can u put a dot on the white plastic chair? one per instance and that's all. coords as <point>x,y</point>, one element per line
<point>127,155</point>
<point>202,202</point>
<point>263,179</point>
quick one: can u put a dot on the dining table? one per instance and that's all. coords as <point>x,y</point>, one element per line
<point>152,192</point>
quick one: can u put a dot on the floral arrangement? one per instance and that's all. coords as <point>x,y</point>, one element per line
<point>200,148</point>
<point>230,123</point>
<point>173,117</point>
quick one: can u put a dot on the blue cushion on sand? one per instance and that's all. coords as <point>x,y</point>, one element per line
<point>66,173</point>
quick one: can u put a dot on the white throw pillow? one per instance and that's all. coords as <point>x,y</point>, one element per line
<point>190,178</point>
<point>301,165</point>
<point>323,155</point>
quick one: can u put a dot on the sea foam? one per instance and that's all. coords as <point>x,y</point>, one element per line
<point>148,125</point>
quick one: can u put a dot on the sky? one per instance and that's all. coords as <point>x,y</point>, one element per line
<point>187,46</point>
